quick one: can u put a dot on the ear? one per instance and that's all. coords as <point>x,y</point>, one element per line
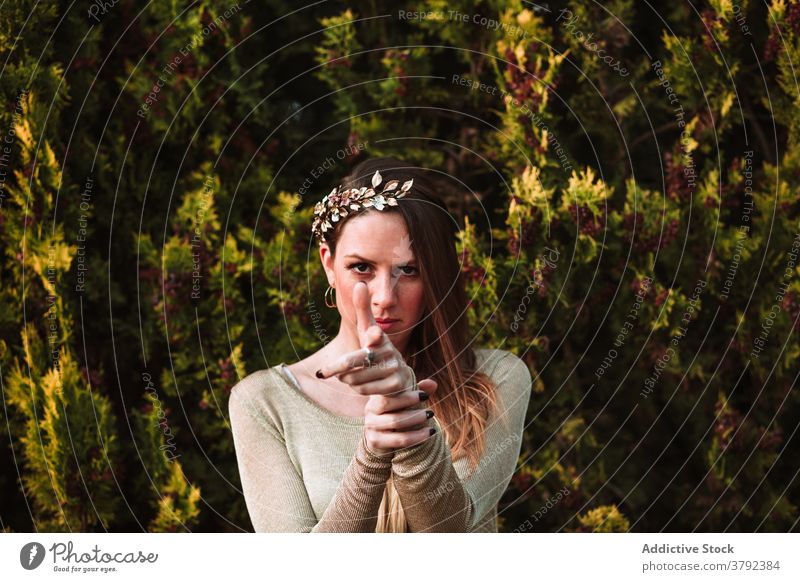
<point>326,258</point>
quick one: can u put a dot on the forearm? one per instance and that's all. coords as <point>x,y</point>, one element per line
<point>354,507</point>
<point>431,493</point>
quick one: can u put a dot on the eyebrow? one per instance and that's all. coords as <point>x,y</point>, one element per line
<point>359,257</point>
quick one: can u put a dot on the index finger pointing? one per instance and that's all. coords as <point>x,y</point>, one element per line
<point>348,362</point>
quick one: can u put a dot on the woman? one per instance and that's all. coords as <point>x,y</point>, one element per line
<point>340,441</point>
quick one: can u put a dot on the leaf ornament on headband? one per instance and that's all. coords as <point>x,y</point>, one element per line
<point>339,203</point>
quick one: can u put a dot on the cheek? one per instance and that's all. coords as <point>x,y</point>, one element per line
<point>344,299</point>
<point>414,297</point>
<point>344,291</point>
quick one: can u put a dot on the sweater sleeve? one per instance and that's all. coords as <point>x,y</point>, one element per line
<point>274,491</point>
<point>438,495</point>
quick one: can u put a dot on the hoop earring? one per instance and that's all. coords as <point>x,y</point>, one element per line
<point>332,292</point>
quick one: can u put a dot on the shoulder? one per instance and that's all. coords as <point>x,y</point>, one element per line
<point>509,371</point>
<point>256,398</point>
<point>254,389</point>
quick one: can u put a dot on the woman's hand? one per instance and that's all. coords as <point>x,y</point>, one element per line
<point>388,381</point>
<point>388,373</point>
<point>392,423</point>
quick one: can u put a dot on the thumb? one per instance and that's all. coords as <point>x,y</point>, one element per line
<point>373,337</point>
<point>428,385</point>
<point>363,311</point>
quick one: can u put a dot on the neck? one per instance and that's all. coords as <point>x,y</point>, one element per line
<point>346,341</point>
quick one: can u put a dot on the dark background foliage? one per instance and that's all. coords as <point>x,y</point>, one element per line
<point>625,175</point>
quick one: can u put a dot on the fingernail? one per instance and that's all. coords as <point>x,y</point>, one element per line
<point>319,374</point>
<point>429,413</point>
<point>433,431</point>
<point>423,396</point>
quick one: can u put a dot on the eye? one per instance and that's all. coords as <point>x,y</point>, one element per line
<point>354,267</point>
<point>357,268</point>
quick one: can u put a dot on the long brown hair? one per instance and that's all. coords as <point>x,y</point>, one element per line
<point>439,345</point>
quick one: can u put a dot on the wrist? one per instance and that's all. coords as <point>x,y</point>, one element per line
<point>374,454</point>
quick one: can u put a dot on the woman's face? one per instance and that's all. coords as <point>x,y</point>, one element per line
<point>374,247</point>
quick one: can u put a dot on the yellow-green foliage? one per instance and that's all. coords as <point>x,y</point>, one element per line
<point>604,519</point>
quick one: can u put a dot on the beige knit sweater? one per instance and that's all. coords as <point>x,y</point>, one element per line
<point>305,469</point>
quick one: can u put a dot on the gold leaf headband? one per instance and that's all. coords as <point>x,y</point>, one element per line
<point>339,203</point>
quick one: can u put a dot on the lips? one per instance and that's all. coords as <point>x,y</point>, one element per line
<point>386,324</point>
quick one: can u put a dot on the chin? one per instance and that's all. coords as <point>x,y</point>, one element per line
<point>399,337</point>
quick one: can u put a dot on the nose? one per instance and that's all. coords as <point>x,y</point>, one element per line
<point>383,291</point>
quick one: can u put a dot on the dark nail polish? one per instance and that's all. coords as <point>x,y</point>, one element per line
<point>429,413</point>
<point>433,431</point>
<point>319,374</point>
<point>423,396</point>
